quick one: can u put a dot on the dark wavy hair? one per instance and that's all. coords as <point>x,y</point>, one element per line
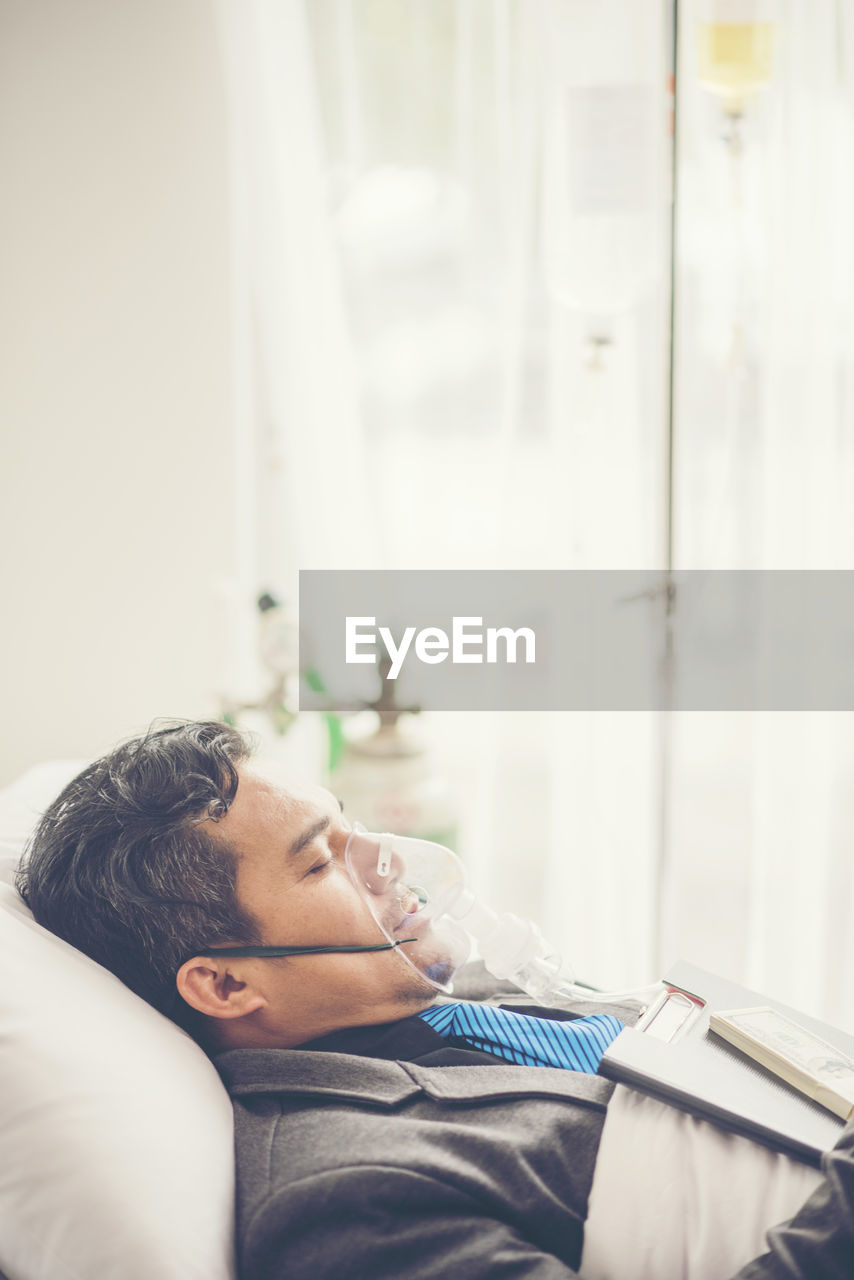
<point>124,867</point>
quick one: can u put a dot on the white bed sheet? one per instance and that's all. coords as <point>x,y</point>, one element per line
<point>675,1198</point>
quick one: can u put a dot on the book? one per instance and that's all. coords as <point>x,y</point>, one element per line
<point>673,1055</point>
<point>803,1060</point>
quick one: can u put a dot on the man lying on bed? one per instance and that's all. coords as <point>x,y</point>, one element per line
<point>369,1143</point>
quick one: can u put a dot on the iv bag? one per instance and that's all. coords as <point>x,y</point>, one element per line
<point>735,48</point>
<point>603,165</point>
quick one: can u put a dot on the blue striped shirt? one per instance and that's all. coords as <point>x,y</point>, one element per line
<point>576,1045</point>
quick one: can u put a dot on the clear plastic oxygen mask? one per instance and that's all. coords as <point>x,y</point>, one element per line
<point>410,886</point>
<point>416,891</point>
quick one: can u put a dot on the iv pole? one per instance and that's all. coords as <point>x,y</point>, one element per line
<point>663,869</point>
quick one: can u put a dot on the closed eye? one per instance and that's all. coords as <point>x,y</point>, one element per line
<point>319,867</point>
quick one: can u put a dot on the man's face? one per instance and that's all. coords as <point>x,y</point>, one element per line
<point>290,839</point>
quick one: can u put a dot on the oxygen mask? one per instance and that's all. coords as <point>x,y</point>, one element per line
<point>411,886</point>
<point>416,891</point>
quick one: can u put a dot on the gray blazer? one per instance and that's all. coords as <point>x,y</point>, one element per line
<point>371,1169</point>
<point>424,1161</point>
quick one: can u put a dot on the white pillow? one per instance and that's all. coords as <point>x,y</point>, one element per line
<point>22,804</point>
<point>115,1130</point>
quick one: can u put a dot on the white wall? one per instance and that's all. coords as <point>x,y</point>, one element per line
<point>116,495</point>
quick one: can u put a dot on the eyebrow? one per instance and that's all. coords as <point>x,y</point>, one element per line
<point>310,833</point>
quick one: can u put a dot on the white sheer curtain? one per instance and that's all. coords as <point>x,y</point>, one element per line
<point>300,399</point>
<point>453,240</point>
<point>761,806</point>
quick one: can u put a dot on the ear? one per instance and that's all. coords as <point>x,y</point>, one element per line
<point>218,988</point>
